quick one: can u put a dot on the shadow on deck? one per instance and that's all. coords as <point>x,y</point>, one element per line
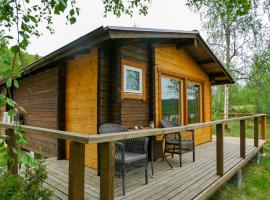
<point>195,180</point>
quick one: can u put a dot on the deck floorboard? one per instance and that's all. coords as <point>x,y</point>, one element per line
<point>185,182</point>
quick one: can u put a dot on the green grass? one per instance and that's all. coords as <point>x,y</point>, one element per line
<point>256,179</point>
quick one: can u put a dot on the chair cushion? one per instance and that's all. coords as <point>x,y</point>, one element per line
<point>131,157</point>
<point>177,142</point>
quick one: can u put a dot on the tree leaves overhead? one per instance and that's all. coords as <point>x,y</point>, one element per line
<point>119,7</point>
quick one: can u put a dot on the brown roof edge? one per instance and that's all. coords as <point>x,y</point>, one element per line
<point>101,34</point>
<point>207,48</point>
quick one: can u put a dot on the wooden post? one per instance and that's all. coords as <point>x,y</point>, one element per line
<point>263,127</point>
<point>76,171</point>
<point>220,149</point>
<point>256,130</point>
<point>107,171</point>
<point>13,157</point>
<point>242,138</point>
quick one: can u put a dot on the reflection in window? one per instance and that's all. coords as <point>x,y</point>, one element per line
<point>170,99</point>
<point>132,79</point>
<point>193,97</point>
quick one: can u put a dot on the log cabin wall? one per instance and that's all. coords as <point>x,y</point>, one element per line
<point>38,96</point>
<point>81,100</point>
<point>136,111</point>
<point>178,62</point>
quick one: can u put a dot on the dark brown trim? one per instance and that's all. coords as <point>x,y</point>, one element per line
<point>189,42</point>
<point>151,82</point>
<point>204,62</point>
<point>61,144</point>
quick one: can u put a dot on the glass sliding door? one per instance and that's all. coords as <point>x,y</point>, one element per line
<point>171,99</point>
<point>193,98</point>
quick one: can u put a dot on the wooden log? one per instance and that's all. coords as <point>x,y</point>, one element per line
<point>242,138</point>
<point>220,149</point>
<point>13,157</point>
<point>107,171</point>
<point>263,127</point>
<point>256,130</point>
<point>76,171</point>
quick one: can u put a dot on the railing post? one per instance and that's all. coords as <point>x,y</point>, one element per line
<point>220,149</point>
<point>76,171</point>
<point>256,130</point>
<point>263,127</point>
<point>242,138</point>
<point>13,157</point>
<point>107,170</point>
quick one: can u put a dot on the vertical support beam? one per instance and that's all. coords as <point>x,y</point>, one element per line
<point>107,171</point>
<point>61,107</point>
<point>220,149</point>
<point>256,130</point>
<point>263,127</point>
<point>76,171</point>
<point>185,101</point>
<point>242,138</point>
<point>13,157</point>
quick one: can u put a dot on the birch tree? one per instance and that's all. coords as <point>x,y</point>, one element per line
<point>233,29</point>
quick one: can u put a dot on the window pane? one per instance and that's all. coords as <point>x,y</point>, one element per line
<point>132,80</point>
<point>170,99</point>
<point>193,92</point>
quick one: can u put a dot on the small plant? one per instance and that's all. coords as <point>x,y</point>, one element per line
<point>28,185</point>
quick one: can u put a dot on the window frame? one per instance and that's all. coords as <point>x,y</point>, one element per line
<point>126,90</point>
<point>133,94</point>
<point>185,79</point>
<point>181,96</point>
<point>200,105</point>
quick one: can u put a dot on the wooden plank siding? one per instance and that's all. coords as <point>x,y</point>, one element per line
<point>177,62</point>
<point>135,112</point>
<point>38,96</point>
<point>81,100</point>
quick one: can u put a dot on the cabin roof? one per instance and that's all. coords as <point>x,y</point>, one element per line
<point>191,41</point>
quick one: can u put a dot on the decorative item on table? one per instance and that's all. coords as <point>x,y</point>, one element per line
<point>141,127</point>
<point>136,127</point>
<point>152,124</point>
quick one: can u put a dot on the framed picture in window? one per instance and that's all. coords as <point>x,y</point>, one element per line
<point>133,80</point>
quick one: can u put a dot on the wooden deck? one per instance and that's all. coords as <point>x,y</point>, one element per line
<point>196,180</point>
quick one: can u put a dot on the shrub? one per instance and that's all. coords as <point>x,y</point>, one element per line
<point>28,185</point>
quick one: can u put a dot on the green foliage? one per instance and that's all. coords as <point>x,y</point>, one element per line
<point>256,182</point>
<point>119,7</point>
<point>29,185</point>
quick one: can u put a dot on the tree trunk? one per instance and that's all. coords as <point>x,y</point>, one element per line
<point>226,101</point>
<point>226,87</point>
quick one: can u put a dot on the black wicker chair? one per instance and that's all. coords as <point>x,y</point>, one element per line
<point>130,155</point>
<point>178,143</point>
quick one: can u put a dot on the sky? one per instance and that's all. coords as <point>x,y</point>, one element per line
<point>165,14</point>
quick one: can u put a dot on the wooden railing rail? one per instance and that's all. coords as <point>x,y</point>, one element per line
<point>92,138</point>
<point>78,141</point>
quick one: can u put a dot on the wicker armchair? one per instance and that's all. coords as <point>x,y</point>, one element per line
<point>178,143</point>
<point>130,155</point>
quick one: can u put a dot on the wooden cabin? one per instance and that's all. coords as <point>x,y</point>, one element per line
<point>128,76</point>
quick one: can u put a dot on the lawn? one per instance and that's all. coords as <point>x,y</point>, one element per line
<point>256,181</point>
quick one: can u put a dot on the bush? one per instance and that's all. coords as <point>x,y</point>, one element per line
<point>28,185</point>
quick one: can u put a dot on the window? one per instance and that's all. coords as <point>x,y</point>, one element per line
<point>133,80</point>
<point>171,99</point>
<point>193,99</point>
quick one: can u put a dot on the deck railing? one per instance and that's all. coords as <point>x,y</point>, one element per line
<point>107,142</point>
